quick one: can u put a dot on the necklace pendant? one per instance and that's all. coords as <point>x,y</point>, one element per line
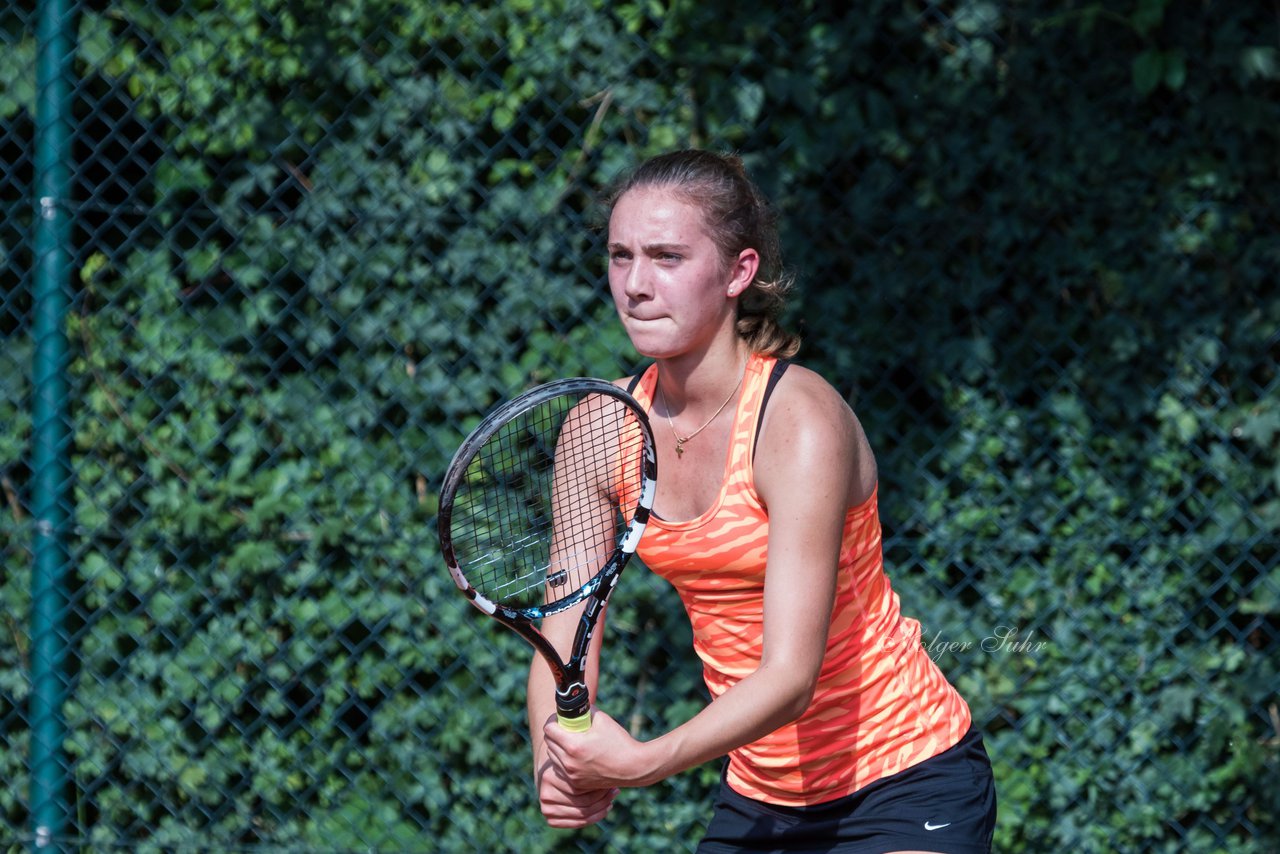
<point>680,440</point>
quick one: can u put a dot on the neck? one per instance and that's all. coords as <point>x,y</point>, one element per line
<point>699,385</point>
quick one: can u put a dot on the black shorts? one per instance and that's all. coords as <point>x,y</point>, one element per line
<point>946,803</point>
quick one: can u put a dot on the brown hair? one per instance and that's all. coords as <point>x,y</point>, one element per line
<point>738,217</point>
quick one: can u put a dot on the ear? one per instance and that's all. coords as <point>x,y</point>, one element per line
<point>742,272</point>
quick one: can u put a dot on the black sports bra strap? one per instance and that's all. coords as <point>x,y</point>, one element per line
<point>635,381</point>
<point>779,368</point>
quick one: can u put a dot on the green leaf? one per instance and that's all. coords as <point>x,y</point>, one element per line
<point>1148,71</point>
<point>1175,70</point>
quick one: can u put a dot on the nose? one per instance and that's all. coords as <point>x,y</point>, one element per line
<point>635,283</point>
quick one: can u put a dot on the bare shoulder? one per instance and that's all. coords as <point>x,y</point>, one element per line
<point>804,389</point>
<point>808,420</point>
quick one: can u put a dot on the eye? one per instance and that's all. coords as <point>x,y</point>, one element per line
<point>670,257</point>
<point>619,255</point>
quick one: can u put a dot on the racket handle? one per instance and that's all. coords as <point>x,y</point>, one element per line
<point>580,723</point>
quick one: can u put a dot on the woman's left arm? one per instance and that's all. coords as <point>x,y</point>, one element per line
<point>811,465</point>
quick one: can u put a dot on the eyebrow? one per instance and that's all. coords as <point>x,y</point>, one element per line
<point>650,248</point>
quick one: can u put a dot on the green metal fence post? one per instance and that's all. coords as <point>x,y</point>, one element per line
<point>51,483</point>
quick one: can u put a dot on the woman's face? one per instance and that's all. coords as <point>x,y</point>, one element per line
<point>672,289</point>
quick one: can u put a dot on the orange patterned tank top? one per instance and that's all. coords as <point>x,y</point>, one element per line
<point>881,704</point>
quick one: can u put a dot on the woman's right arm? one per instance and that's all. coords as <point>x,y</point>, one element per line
<point>561,805</point>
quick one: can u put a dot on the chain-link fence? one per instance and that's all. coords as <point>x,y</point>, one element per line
<point>267,262</point>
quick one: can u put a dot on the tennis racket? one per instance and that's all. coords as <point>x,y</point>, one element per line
<point>542,507</point>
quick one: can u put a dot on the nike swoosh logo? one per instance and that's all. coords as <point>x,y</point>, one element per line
<point>928,826</point>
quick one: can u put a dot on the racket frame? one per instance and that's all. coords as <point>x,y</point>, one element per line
<point>573,700</point>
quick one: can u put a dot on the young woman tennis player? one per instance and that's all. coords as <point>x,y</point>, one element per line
<point>841,733</point>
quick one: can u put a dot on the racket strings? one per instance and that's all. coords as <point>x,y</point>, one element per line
<point>546,499</point>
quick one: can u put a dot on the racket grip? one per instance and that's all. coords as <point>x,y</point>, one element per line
<point>579,723</point>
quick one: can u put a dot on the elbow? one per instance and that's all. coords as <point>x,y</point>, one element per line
<point>792,679</point>
<point>798,695</point>
<point>804,697</point>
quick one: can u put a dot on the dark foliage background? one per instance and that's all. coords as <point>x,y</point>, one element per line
<point>315,242</point>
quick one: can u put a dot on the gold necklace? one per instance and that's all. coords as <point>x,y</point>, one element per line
<point>680,440</point>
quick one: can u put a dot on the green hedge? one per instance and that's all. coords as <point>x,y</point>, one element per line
<point>1037,246</point>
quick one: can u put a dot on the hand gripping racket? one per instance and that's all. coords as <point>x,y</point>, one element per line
<point>541,509</point>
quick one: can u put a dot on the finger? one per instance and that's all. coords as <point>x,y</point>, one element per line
<point>554,733</point>
<point>556,759</point>
<point>563,757</point>
<point>579,817</point>
<point>574,810</point>
<point>561,797</point>
<point>572,823</point>
<point>568,791</point>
